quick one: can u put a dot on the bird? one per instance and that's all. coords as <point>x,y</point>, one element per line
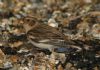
<point>42,35</point>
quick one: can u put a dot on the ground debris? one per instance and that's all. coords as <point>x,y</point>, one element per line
<point>50,35</point>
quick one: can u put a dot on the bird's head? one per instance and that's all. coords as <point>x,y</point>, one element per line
<point>28,23</point>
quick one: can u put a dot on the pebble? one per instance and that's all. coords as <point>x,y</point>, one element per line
<point>23,68</point>
<point>8,64</point>
<point>52,23</point>
<point>96,31</point>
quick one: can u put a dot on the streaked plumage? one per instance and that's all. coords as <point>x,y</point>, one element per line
<point>42,35</point>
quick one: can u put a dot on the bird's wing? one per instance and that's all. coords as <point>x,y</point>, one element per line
<point>45,32</point>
